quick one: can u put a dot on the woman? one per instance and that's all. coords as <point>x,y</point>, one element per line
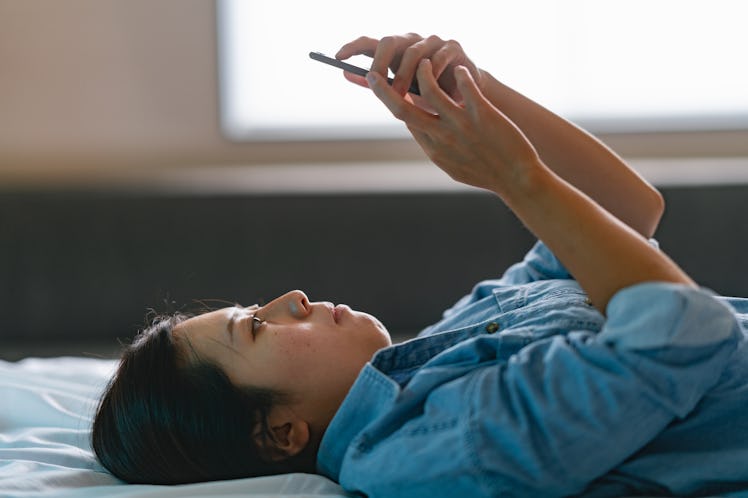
<point>594,366</point>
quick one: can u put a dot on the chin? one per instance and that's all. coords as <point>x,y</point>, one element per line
<point>383,332</point>
<point>378,329</point>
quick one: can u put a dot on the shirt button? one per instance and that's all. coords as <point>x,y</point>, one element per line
<point>492,327</point>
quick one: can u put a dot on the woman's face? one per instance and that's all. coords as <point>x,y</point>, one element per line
<point>311,351</point>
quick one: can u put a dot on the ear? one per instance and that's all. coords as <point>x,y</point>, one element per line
<point>289,435</point>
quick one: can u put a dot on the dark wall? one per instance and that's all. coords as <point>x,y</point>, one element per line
<point>87,266</point>
<point>706,231</point>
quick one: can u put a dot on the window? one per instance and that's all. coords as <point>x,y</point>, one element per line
<point>612,65</point>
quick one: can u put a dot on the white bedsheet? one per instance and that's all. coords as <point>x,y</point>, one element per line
<point>46,408</point>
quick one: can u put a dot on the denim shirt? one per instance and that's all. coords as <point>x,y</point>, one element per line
<point>525,389</point>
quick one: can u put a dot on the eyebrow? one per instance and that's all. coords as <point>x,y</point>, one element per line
<point>232,319</point>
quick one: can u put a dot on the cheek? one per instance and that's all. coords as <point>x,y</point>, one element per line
<point>323,358</point>
<point>298,355</point>
<point>305,358</point>
<point>295,353</point>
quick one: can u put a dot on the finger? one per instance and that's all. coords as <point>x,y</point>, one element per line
<point>430,90</point>
<point>363,45</point>
<point>420,102</point>
<point>384,55</point>
<point>355,78</point>
<point>468,88</point>
<point>390,50</point>
<point>409,62</point>
<point>398,106</point>
<point>448,53</point>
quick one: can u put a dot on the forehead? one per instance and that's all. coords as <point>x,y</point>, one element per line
<point>200,334</point>
<point>208,324</point>
<point>217,318</point>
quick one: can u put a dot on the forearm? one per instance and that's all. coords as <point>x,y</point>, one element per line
<point>580,158</point>
<point>604,254</point>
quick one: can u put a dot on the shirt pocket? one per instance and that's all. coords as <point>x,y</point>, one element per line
<point>552,308</point>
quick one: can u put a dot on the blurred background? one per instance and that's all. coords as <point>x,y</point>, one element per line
<point>142,169</point>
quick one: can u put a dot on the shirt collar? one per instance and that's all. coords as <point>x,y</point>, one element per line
<point>374,392</point>
<point>371,396</point>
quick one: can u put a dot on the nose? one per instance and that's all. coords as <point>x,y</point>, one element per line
<point>294,304</point>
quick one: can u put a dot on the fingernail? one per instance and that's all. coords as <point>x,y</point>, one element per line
<point>371,78</point>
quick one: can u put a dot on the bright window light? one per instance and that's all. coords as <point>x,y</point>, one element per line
<point>612,65</point>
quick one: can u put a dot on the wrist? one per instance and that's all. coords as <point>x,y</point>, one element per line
<point>525,182</point>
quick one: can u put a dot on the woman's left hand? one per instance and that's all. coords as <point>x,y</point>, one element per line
<point>472,141</point>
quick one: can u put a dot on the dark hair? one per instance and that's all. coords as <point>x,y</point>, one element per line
<point>163,420</point>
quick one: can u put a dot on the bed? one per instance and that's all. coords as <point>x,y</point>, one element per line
<point>46,408</point>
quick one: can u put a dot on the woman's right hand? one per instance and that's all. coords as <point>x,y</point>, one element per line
<point>473,142</point>
<point>403,54</point>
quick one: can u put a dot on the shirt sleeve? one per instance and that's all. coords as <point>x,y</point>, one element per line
<point>566,410</point>
<point>549,418</point>
<point>538,264</point>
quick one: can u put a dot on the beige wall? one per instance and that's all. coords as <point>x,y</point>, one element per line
<point>98,87</point>
<point>90,85</point>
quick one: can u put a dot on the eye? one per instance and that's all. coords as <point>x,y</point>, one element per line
<point>256,322</point>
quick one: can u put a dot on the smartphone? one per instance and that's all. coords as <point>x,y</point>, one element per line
<point>355,69</point>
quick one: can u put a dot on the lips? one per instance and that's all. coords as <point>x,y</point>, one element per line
<point>333,311</point>
<point>336,311</point>
<point>340,311</point>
